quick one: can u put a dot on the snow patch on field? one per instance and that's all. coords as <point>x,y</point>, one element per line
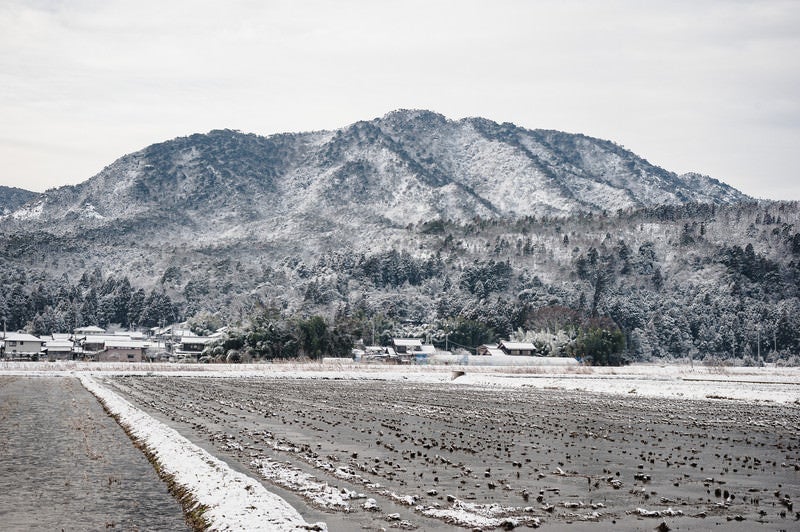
<point>320,493</point>
<point>233,500</point>
<point>764,384</point>
<point>746,384</point>
<point>482,515</point>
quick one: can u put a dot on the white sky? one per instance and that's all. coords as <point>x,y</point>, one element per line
<point>711,86</point>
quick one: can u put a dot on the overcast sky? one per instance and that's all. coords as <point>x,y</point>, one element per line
<point>700,85</point>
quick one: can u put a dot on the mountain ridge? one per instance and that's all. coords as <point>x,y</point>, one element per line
<point>12,198</point>
<point>408,166</point>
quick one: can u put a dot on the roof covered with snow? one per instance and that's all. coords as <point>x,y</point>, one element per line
<point>125,344</point>
<point>91,329</point>
<point>59,345</point>
<point>105,338</point>
<point>408,342</point>
<point>521,346</point>
<point>204,340</point>
<point>21,337</point>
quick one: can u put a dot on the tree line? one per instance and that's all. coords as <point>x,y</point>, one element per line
<point>704,282</point>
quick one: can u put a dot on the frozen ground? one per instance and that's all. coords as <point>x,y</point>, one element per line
<point>768,384</point>
<point>231,500</point>
<point>432,454</point>
<point>412,447</point>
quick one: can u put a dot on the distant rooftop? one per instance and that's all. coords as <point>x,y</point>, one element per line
<point>91,329</point>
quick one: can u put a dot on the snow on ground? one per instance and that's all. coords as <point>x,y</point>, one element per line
<point>318,492</point>
<point>779,385</point>
<point>233,500</point>
<point>673,382</point>
<point>29,212</point>
<point>482,516</point>
<point>238,502</point>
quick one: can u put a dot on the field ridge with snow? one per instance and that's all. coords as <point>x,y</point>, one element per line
<point>231,500</point>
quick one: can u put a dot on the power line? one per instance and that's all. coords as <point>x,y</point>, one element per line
<point>462,346</point>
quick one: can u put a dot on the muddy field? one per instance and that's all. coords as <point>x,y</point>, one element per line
<point>66,465</point>
<point>370,454</point>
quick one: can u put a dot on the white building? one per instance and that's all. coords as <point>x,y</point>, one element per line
<point>59,348</point>
<point>21,346</point>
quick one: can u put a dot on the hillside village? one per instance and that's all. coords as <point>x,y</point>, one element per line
<point>95,344</point>
<point>180,345</point>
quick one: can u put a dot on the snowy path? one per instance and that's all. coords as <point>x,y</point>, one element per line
<point>233,501</point>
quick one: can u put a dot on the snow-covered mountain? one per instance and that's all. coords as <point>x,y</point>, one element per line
<point>410,218</point>
<point>404,168</point>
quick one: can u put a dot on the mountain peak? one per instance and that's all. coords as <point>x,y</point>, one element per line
<point>409,115</point>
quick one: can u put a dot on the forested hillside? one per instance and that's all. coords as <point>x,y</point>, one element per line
<point>701,281</point>
<point>12,198</point>
<point>413,224</point>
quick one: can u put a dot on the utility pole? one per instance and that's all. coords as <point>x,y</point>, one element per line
<point>758,345</point>
<point>775,339</point>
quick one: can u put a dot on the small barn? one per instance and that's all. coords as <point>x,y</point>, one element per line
<point>525,349</point>
<point>488,350</point>
<point>404,346</point>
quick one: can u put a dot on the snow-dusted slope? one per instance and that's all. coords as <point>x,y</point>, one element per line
<point>12,198</point>
<point>406,167</point>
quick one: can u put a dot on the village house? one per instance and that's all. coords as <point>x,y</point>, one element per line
<point>488,350</point>
<point>122,350</point>
<point>191,347</point>
<point>59,347</point>
<point>21,346</point>
<point>412,350</point>
<point>91,330</point>
<point>137,336</point>
<point>517,348</point>
<point>170,333</point>
<point>375,353</point>
<point>406,345</point>
<point>93,343</point>
<point>402,351</point>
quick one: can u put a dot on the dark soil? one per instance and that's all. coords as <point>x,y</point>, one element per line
<point>572,459</point>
